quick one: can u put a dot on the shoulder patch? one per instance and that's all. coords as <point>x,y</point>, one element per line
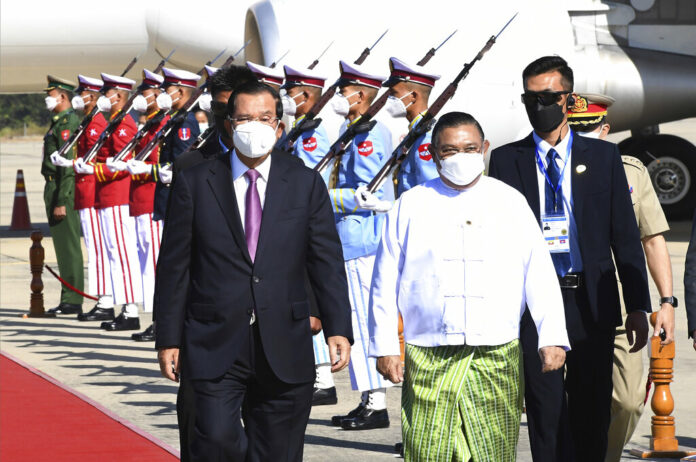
<point>633,162</point>
<point>65,134</point>
<point>424,152</point>
<point>365,148</point>
<point>309,144</point>
<point>184,133</point>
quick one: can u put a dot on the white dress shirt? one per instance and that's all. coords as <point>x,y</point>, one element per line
<point>241,182</point>
<point>460,266</point>
<point>564,157</point>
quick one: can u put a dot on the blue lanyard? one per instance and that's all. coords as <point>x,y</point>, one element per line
<point>540,164</point>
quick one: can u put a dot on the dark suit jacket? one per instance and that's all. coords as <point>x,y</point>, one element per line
<point>192,158</point>
<point>604,216</point>
<point>206,285</point>
<point>690,280</point>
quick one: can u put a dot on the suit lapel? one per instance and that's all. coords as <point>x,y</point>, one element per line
<point>220,181</point>
<point>579,158</point>
<point>526,164</point>
<point>276,191</point>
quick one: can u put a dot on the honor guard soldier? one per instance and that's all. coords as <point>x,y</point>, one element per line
<point>142,193</point>
<point>98,269</point>
<point>112,198</point>
<point>588,117</point>
<point>303,88</point>
<point>59,193</point>
<point>178,87</point>
<point>360,231</point>
<point>409,90</point>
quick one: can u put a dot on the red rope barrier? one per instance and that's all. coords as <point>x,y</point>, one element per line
<point>68,285</point>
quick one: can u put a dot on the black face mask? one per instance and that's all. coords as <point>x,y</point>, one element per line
<point>545,118</point>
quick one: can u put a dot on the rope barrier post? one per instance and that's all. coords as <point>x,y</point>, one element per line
<point>36,262</point>
<point>663,443</point>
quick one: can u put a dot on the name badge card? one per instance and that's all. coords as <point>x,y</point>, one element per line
<point>555,230</point>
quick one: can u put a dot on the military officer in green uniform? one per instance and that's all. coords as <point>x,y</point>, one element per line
<point>588,118</point>
<point>59,193</point>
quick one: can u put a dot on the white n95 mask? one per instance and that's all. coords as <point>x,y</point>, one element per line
<point>104,104</point>
<point>340,104</point>
<point>289,104</point>
<point>462,168</point>
<point>396,107</point>
<point>204,102</point>
<point>254,139</point>
<point>51,102</point>
<point>140,103</point>
<point>594,135</point>
<point>164,101</point>
<point>78,103</point>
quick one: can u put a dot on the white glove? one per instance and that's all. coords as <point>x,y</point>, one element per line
<point>204,102</point>
<point>368,201</point>
<point>138,167</point>
<point>83,168</point>
<point>115,165</point>
<point>60,161</point>
<point>164,101</point>
<point>140,103</point>
<point>165,174</point>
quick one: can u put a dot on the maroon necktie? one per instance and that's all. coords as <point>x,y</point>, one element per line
<point>252,213</point>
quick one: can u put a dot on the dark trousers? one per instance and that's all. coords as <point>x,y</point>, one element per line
<point>275,414</point>
<point>186,416</point>
<point>568,419</point>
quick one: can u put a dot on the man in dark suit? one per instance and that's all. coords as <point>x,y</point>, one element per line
<point>242,233</point>
<point>690,283</point>
<point>577,187</point>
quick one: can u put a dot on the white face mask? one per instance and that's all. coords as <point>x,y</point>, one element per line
<point>140,103</point>
<point>202,126</point>
<point>594,134</point>
<point>290,105</point>
<point>254,139</point>
<point>104,103</point>
<point>165,101</point>
<point>396,107</point>
<point>51,102</point>
<point>78,103</point>
<point>340,104</point>
<point>204,102</point>
<point>462,168</point>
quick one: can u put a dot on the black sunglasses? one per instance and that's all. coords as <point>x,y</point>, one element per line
<point>545,98</point>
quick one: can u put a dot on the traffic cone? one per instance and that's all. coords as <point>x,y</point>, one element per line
<point>20,209</point>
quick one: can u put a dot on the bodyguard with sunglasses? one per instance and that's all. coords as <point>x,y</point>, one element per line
<point>577,189</point>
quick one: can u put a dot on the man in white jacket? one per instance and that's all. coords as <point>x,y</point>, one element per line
<point>460,257</point>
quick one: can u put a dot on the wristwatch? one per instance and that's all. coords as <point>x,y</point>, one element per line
<point>671,300</point>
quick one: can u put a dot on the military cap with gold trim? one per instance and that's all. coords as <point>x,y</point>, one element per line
<point>57,82</point>
<point>589,109</point>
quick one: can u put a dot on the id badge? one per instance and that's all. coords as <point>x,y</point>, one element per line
<point>555,230</point>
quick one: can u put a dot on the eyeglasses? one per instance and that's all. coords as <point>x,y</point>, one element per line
<point>545,98</point>
<point>264,119</point>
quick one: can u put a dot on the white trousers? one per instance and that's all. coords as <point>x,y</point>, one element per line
<point>149,234</point>
<point>363,369</point>
<point>98,268</point>
<point>321,349</point>
<point>118,234</point>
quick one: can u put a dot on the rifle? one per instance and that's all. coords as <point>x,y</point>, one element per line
<point>157,118</point>
<point>211,61</point>
<point>274,63</point>
<point>229,60</point>
<point>310,121</point>
<point>428,120</point>
<point>116,121</point>
<point>365,123</point>
<point>88,118</point>
<point>316,61</point>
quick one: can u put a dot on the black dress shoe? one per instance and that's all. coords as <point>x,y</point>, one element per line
<point>122,323</point>
<point>324,396</point>
<point>97,314</point>
<point>367,419</point>
<point>337,419</point>
<point>66,308</point>
<point>148,335</point>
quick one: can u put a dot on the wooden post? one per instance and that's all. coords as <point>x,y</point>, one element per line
<point>36,262</point>
<point>663,444</point>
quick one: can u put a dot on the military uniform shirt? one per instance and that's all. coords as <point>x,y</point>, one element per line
<point>312,145</point>
<point>360,229</point>
<point>419,166</point>
<point>651,219</point>
<point>62,126</point>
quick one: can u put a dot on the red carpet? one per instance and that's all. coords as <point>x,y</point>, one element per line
<point>40,421</point>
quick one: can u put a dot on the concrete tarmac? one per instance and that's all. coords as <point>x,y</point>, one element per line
<point>124,376</point>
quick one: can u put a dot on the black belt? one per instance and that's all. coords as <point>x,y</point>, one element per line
<point>570,281</point>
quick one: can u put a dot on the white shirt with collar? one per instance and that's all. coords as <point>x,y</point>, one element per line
<point>460,267</point>
<point>241,182</point>
<point>564,156</point>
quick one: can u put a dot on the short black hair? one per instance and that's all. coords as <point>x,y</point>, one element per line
<point>547,64</point>
<point>228,78</point>
<point>254,87</point>
<point>455,119</point>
